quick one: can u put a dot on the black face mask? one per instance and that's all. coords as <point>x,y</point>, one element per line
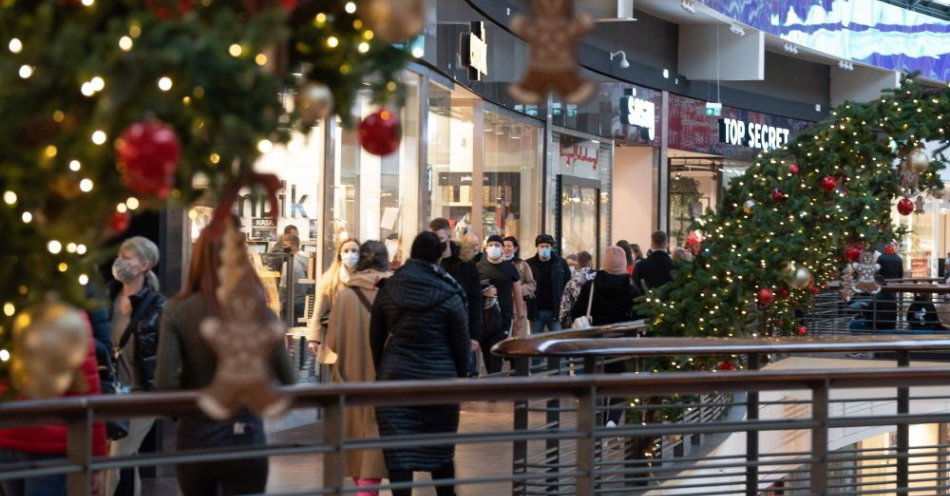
<point>288,249</point>
<point>444,246</point>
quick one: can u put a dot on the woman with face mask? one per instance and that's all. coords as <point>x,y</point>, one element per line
<point>331,283</point>
<point>135,314</point>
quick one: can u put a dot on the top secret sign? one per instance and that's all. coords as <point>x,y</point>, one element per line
<point>752,134</point>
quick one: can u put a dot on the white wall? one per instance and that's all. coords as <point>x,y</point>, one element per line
<point>634,195</point>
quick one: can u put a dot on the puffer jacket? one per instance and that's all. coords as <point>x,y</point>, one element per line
<point>147,306</point>
<point>613,299</point>
<point>419,330</point>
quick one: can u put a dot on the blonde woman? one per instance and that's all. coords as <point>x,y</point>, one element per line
<point>331,283</point>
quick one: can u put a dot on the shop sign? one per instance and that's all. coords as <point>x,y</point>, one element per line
<point>587,152</point>
<point>263,229</point>
<point>919,268</point>
<point>752,134</point>
<point>475,52</point>
<point>639,112</point>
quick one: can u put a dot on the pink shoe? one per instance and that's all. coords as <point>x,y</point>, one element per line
<point>367,482</point>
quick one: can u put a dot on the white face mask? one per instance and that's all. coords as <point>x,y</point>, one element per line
<point>494,252</point>
<point>350,259</point>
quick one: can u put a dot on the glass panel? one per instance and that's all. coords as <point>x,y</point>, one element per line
<point>579,218</point>
<point>512,186</point>
<point>451,155</point>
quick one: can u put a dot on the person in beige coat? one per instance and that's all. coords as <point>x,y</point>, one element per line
<point>348,337</point>
<point>512,250</point>
<point>331,283</point>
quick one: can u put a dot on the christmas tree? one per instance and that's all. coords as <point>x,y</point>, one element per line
<point>110,106</point>
<point>801,213</point>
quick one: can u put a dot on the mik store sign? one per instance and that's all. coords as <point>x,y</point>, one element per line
<point>751,134</point>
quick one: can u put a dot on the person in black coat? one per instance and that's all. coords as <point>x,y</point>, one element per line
<point>551,274</point>
<point>466,274</point>
<point>655,270</point>
<point>419,331</point>
<point>612,302</point>
<point>884,305</point>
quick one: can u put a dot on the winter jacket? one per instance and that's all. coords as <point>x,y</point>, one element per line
<point>418,331</point>
<point>578,279</point>
<point>654,271</point>
<point>147,307</point>
<point>613,299</point>
<point>348,337</point>
<point>560,275</point>
<point>50,439</point>
<point>466,274</point>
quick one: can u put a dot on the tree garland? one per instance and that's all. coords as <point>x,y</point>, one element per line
<point>796,210</point>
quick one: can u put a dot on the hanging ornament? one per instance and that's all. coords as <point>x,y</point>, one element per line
<point>783,294</point>
<point>919,205</point>
<point>799,278</point>
<point>909,181</point>
<point>917,161</point>
<point>120,222</point>
<point>242,339</point>
<point>794,169</point>
<point>853,252</point>
<point>725,366</point>
<point>313,103</point>
<point>829,183</point>
<point>765,297</point>
<point>866,269</point>
<point>380,133</point>
<point>50,342</point>
<point>147,155</point>
<point>778,196</point>
<point>167,10</point>
<point>392,20</point>
<point>802,330</point>
<point>905,206</point>
<point>552,32</point>
<point>846,291</point>
<point>747,206</point>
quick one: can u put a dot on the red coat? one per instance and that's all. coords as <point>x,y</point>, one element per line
<point>51,438</point>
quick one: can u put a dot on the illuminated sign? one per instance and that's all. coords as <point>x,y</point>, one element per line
<point>752,134</point>
<point>638,112</point>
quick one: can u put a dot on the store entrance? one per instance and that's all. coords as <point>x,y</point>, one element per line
<point>578,215</point>
<point>696,184</point>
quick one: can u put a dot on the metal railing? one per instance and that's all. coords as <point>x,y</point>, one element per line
<point>903,306</point>
<point>577,453</point>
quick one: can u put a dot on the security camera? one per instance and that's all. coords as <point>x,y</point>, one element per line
<point>623,59</point>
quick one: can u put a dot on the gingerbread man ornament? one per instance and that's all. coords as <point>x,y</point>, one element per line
<point>552,32</point>
<point>243,340</point>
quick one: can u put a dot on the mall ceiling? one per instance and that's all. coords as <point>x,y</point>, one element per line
<point>936,8</point>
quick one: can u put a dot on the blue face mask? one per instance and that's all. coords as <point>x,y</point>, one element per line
<point>544,253</point>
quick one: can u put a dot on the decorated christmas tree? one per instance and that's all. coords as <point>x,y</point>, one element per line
<point>111,106</point>
<point>802,213</point>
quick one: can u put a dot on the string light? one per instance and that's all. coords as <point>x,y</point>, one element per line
<point>85,185</point>
<point>9,309</point>
<point>350,7</point>
<point>83,279</point>
<point>15,45</point>
<point>4,355</point>
<point>165,83</point>
<point>99,137</point>
<point>363,47</point>
<point>126,43</point>
<point>333,42</point>
<point>235,50</point>
<point>132,203</point>
<point>26,71</point>
<point>80,249</point>
<point>54,247</point>
<point>260,59</point>
<point>9,197</point>
<point>264,146</point>
<point>88,3</point>
<point>74,165</point>
<point>26,217</point>
<point>63,267</point>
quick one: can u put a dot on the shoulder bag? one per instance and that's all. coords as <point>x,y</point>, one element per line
<point>584,321</point>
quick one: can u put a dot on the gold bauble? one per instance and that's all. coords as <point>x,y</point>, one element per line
<point>392,20</point>
<point>748,206</point>
<point>799,279</point>
<point>917,160</point>
<point>314,101</point>
<point>50,342</point>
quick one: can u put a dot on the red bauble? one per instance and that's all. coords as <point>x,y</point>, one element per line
<point>829,183</point>
<point>890,250</point>
<point>853,252</point>
<point>725,366</point>
<point>380,133</point>
<point>147,155</point>
<point>783,294</point>
<point>167,10</point>
<point>778,196</point>
<point>765,297</point>
<point>802,330</point>
<point>120,221</point>
<point>905,206</point>
<point>794,169</point>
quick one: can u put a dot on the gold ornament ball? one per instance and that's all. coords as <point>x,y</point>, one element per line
<point>50,342</point>
<point>799,278</point>
<point>748,206</point>
<point>313,102</point>
<point>392,20</point>
<point>917,160</point>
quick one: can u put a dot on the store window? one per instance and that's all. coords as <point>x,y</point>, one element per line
<point>370,197</point>
<point>512,192</point>
<point>451,145</point>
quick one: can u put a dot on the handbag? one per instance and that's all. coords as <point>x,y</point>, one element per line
<point>584,321</point>
<point>118,429</point>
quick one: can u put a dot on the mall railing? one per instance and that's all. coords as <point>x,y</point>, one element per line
<point>593,458</point>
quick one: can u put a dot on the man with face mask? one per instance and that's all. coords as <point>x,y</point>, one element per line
<point>551,274</point>
<point>505,289</point>
<point>294,270</point>
<point>466,274</point>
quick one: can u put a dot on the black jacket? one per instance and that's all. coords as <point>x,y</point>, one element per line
<point>466,274</point>
<point>892,267</point>
<point>419,326</point>
<point>613,299</point>
<point>654,271</point>
<point>560,275</point>
<point>147,306</point>
<point>922,315</point>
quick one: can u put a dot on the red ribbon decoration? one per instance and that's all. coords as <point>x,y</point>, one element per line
<point>271,184</point>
